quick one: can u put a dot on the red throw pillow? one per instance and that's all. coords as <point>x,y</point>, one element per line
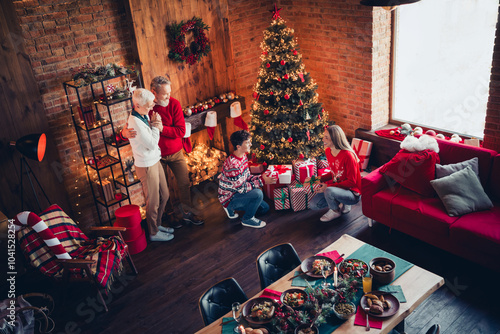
<point>413,170</point>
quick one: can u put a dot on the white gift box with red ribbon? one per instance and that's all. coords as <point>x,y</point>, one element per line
<point>282,173</point>
<point>363,150</point>
<point>304,169</point>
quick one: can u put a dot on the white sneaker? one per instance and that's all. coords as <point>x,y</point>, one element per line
<point>330,215</point>
<point>161,236</point>
<point>346,208</point>
<point>234,216</point>
<point>166,229</point>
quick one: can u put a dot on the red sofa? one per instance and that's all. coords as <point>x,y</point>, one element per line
<point>474,236</point>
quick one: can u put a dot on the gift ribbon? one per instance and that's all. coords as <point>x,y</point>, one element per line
<point>312,181</point>
<point>281,169</point>
<point>357,150</point>
<point>283,197</point>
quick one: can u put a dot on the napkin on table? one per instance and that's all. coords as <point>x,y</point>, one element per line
<point>273,294</point>
<point>360,319</point>
<point>334,255</point>
<point>398,294</point>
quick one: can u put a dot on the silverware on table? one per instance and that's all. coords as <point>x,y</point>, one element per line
<point>367,328</point>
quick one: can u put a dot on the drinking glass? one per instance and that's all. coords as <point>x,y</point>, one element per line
<point>367,283</point>
<point>325,271</point>
<point>236,308</point>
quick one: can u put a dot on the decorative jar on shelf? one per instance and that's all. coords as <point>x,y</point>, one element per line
<point>130,176</point>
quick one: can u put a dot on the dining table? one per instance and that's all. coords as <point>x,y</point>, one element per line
<point>416,283</point>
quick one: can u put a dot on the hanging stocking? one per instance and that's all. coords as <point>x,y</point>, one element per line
<point>236,115</point>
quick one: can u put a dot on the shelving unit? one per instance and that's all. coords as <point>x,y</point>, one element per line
<point>85,103</point>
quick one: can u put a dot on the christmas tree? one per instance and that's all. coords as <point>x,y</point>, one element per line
<point>287,120</point>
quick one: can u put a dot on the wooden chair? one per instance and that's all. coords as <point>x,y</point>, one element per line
<point>54,244</point>
<point>217,300</point>
<point>275,262</point>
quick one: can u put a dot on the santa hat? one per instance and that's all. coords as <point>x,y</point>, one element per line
<point>211,123</point>
<point>236,114</point>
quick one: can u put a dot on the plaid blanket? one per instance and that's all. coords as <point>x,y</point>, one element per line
<point>107,253</point>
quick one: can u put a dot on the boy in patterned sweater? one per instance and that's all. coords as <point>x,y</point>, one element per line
<point>238,189</point>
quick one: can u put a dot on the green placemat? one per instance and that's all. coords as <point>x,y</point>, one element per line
<point>228,328</point>
<point>301,281</point>
<point>368,252</point>
<point>398,294</point>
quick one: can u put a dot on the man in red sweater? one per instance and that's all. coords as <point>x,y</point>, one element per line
<point>174,128</point>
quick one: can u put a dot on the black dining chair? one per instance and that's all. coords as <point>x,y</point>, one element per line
<point>274,263</point>
<point>217,300</point>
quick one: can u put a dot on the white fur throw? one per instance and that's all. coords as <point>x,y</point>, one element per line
<point>425,142</point>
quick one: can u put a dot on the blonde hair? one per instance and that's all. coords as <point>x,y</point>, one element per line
<point>339,139</point>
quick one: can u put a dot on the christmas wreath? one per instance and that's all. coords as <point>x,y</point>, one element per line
<point>198,48</point>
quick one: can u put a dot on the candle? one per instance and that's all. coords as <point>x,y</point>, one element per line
<point>335,277</point>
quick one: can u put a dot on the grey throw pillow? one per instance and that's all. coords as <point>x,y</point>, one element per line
<point>445,170</point>
<point>461,192</point>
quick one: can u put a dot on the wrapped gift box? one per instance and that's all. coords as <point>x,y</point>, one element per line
<point>304,169</point>
<point>281,198</point>
<point>298,196</point>
<point>363,149</point>
<point>282,173</point>
<point>256,168</point>
<point>321,162</point>
<point>312,186</point>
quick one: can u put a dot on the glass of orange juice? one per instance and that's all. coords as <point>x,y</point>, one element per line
<point>367,283</point>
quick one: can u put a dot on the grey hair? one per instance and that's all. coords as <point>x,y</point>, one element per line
<point>142,96</point>
<point>159,81</point>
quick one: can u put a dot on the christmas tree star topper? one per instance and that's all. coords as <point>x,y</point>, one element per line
<point>276,12</point>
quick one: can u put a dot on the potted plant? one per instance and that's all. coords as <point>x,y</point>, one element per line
<point>129,163</point>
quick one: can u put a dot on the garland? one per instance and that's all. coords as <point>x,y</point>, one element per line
<point>89,73</point>
<point>200,47</point>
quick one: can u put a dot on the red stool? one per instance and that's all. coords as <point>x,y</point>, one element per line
<point>129,216</point>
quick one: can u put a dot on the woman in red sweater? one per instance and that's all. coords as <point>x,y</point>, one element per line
<point>342,187</point>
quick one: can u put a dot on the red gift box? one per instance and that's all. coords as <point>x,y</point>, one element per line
<point>363,150</point>
<point>301,173</point>
<point>256,168</point>
<point>281,198</point>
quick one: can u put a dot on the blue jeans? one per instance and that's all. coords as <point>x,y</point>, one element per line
<point>251,202</point>
<point>332,197</point>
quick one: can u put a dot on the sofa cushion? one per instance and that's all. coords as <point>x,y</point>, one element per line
<point>450,153</point>
<point>494,181</point>
<point>403,206</point>
<point>445,170</point>
<point>478,230</point>
<point>413,170</point>
<point>461,192</point>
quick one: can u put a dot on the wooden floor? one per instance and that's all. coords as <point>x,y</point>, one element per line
<point>163,298</point>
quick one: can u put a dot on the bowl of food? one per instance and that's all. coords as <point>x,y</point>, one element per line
<point>295,298</point>
<point>383,270</point>
<point>259,310</point>
<point>344,310</point>
<point>353,267</point>
<point>306,329</point>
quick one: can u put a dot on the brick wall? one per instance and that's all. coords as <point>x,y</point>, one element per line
<point>60,35</point>
<point>492,126</point>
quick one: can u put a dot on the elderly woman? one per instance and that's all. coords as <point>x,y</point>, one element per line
<point>342,187</point>
<point>147,157</point>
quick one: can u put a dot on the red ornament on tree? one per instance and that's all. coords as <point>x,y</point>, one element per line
<point>264,53</point>
<point>279,79</point>
<point>301,156</point>
<point>262,147</point>
<point>255,95</point>
<point>290,139</point>
<point>287,96</point>
<point>268,65</point>
<point>285,77</point>
<point>282,62</point>
<point>266,112</point>
<point>264,164</point>
<point>271,93</point>
<point>294,52</point>
<point>300,103</point>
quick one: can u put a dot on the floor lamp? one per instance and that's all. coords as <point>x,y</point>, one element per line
<point>33,147</point>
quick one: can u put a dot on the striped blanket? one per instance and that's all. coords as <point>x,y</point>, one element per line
<point>107,253</point>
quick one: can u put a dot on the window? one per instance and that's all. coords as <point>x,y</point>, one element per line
<point>443,53</point>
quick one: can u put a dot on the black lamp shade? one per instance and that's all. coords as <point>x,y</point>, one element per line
<point>32,146</point>
<point>386,3</point>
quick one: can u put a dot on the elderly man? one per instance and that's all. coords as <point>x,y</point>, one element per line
<point>174,128</point>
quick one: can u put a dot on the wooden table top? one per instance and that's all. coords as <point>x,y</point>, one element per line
<point>417,285</point>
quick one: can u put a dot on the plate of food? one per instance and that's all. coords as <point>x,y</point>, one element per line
<point>294,298</point>
<point>259,310</point>
<point>381,304</point>
<point>312,265</point>
<point>353,267</point>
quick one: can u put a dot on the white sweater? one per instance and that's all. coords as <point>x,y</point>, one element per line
<point>145,144</point>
